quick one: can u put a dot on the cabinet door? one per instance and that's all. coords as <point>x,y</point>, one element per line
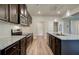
<point>26,12</point>
<point>49,40</point>
<point>55,26</point>
<point>58,46</point>
<point>23,47</point>
<point>29,19</point>
<point>0,52</point>
<point>4,12</point>
<point>12,49</point>
<point>29,40</point>
<point>16,52</point>
<point>23,20</point>
<point>22,9</point>
<point>53,44</point>
<point>14,13</point>
<point>26,44</point>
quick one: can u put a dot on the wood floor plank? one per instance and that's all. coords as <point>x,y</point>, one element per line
<point>39,47</point>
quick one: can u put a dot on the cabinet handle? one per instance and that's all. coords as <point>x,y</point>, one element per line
<point>14,47</point>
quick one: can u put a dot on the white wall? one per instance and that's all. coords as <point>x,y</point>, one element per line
<point>42,24</point>
<point>5,28</point>
<point>60,26</point>
<point>71,26</point>
<point>75,27</point>
<point>66,26</point>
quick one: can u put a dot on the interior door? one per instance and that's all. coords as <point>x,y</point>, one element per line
<point>55,26</point>
<point>77,26</point>
<point>40,28</point>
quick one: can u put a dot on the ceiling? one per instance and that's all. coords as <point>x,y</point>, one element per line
<point>50,9</point>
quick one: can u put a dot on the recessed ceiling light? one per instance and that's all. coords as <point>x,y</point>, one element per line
<point>39,12</point>
<point>55,20</point>
<point>68,13</point>
<point>58,12</point>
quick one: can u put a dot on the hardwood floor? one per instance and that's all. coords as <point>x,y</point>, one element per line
<point>39,47</point>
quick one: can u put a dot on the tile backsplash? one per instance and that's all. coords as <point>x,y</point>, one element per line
<point>5,28</point>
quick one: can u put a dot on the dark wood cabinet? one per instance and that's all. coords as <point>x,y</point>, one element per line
<point>52,43</point>
<point>29,39</point>
<point>13,13</point>
<point>29,19</point>
<point>4,12</point>
<point>11,50</point>
<point>15,53</point>
<point>23,46</point>
<point>55,44</point>
<point>24,43</point>
<point>25,18</point>
<point>23,9</point>
<point>19,47</point>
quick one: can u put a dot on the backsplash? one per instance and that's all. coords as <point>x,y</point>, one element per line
<point>5,28</point>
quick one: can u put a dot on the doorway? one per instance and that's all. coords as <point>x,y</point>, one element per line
<point>55,26</point>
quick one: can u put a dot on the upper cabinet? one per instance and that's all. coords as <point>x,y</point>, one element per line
<point>29,18</point>
<point>23,10</point>
<point>25,18</point>
<point>13,13</point>
<point>4,12</point>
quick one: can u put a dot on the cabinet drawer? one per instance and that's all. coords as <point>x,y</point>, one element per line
<point>12,48</point>
<point>16,52</point>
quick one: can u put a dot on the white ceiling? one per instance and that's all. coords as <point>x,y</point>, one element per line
<point>50,9</point>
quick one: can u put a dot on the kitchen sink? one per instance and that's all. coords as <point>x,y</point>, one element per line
<point>60,34</point>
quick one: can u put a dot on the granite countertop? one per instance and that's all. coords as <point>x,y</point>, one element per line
<point>66,37</point>
<point>5,41</point>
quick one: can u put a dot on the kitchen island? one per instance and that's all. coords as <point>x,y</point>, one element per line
<point>15,45</point>
<point>66,44</point>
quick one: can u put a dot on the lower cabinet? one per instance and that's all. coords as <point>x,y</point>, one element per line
<point>19,47</point>
<point>23,46</point>
<point>24,43</point>
<point>15,53</point>
<point>11,50</point>
<point>55,44</point>
<point>29,40</point>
